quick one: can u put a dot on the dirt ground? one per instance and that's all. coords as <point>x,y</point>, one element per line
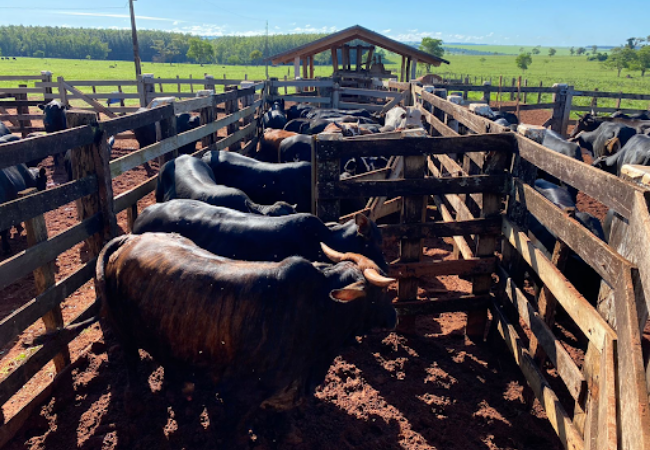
<point>433,389</point>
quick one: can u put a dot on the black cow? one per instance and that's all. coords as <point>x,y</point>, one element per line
<point>264,183</point>
<point>577,271</point>
<point>262,333</point>
<point>337,113</point>
<point>190,178</point>
<point>252,237</point>
<point>557,143</point>
<point>298,111</point>
<point>54,120</point>
<point>296,148</point>
<point>13,180</point>
<point>4,130</point>
<point>275,117</point>
<point>636,151</point>
<point>591,122</point>
<point>639,116</point>
<point>146,135</point>
<point>297,125</point>
<point>606,140</point>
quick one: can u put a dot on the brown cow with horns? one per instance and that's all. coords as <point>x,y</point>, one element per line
<point>264,332</point>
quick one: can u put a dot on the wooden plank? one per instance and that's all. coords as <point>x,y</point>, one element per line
<point>19,77</point>
<point>470,120</point>
<point>137,120</point>
<point>418,146</point>
<point>44,279</point>
<point>619,194</point>
<point>557,354</point>
<point>22,263</point>
<point>432,120</point>
<point>530,107</point>
<point>486,244</point>
<point>98,106</point>
<point>366,106</point>
<point>460,267</point>
<point>128,198</point>
<point>482,88</point>
<point>460,241</point>
<point>413,212</point>
<point>15,103</point>
<point>438,306</point>
<point>24,150</point>
<point>369,93</point>
<point>14,324</point>
<point>442,229</point>
<point>91,83</point>
<point>426,186</point>
<point>306,98</point>
<point>634,411</point>
<point>602,94</point>
<point>15,423</point>
<point>394,102</point>
<point>602,258</point>
<point>21,116</point>
<point>22,90</point>
<point>14,212</point>
<point>301,83</point>
<point>607,426</point>
<point>583,314</point>
<point>555,412</point>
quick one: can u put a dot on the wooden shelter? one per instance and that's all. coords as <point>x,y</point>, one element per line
<point>338,43</point>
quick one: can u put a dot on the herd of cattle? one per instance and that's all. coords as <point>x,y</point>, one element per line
<point>230,277</point>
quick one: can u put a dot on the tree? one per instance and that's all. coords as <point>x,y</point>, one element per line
<point>581,50</point>
<point>233,60</point>
<point>482,60</point>
<point>552,52</point>
<point>594,49</point>
<point>432,46</point>
<point>39,54</point>
<point>633,42</point>
<point>620,58</point>
<point>642,61</point>
<point>200,51</point>
<point>523,61</point>
<point>536,51</point>
<point>256,56</point>
<point>572,50</point>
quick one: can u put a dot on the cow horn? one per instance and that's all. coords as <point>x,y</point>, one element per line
<point>332,254</point>
<point>376,278</point>
<point>613,145</point>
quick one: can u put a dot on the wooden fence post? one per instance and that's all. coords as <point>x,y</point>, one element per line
<point>208,83</point>
<point>147,87</point>
<point>23,123</point>
<point>273,89</point>
<point>594,103</point>
<point>562,109</point>
<point>413,211</point>
<point>46,77</point>
<point>167,129</point>
<point>208,116</point>
<point>232,106</point>
<point>539,94</point>
<point>336,96</point>
<point>63,93</point>
<point>526,93</point>
<point>44,279</point>
<point>93,160</point>
<point>325,172</point>
<point>495,164</point>
<point>486,92</point>
<point>512,92</point>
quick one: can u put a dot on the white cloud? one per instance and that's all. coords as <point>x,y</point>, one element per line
<point>116,16</point>
<point>386,31</point>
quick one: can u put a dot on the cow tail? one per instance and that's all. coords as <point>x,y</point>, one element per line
<point>68,332</point>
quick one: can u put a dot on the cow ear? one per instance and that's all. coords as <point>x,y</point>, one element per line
<point>363,225</point>
<point>349,293</point>
<point>41,107</point>
<point>42,172</point>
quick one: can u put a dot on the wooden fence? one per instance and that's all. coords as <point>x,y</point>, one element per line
<point>469,178</point>
<point>610,390</point>
<point>125,96</point>
<point>97,209</point>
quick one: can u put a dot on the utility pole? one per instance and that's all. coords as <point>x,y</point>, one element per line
<point>134,37</point>
<point>266,50</point>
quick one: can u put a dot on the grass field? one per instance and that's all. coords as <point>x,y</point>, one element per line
<point>574,70</point>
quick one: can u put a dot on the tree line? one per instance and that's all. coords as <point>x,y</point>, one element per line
<point>155,46</point>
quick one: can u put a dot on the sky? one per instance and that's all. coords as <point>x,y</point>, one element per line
<point>516,22</point>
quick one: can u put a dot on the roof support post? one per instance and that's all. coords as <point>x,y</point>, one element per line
<point>413,69</point>
<point>296,67</point>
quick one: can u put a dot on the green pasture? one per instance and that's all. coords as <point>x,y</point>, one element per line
<point>573,70</point>
<point>516,49</point>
